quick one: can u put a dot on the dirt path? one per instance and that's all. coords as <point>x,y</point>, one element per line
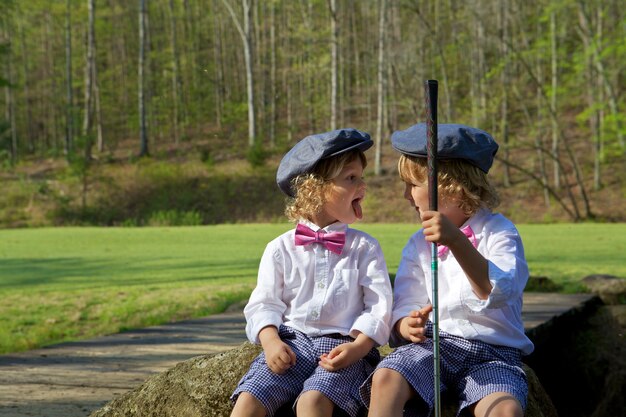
<point>73,379</point>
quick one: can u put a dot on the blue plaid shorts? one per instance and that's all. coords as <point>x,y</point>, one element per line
<point>341,387</point>
<point>470,370</point>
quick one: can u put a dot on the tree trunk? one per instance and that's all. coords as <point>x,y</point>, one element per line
<point>287,79</point>
<point>273,83</point>
<point>574,216</point>
<point>309,83</point>
<point>10,98</point>
<point>590,95</point>
<point>27,98</point>
<point>596,50</point>
<point>88,110</point>
<point>219,73</point>
<point>51,107</point>
<point>334,40</point>
<point>246,37</point>
<point>175,79</point>
<point>248,6</point>
<point>539,123</point>
<point>94,78</point>
<point>553,103</point>
<point>504,103</point>
<point>69,110</point>
<point>143,134</point>
<point>436,46</point>
<point>382,78</point>
<point>96,91</point>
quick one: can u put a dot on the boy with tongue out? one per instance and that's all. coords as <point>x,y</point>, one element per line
<point>323,297</point>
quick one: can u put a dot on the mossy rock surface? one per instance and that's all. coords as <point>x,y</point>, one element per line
<point>201,387</point>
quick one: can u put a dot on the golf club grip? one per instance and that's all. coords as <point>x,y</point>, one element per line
<point>431,88</point>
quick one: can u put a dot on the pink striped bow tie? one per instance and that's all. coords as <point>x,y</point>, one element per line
<point>467,231</point>
<point>333,241</point>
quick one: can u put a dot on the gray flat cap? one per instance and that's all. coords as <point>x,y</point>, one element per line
<point>306,153</point>
<point>454,141</point>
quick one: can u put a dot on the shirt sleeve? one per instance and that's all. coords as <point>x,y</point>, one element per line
<point>410,291</point>
<point>508,272</point>
<point>374,320</point>
<point>265,306</point>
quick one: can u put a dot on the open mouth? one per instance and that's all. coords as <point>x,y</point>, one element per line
<point>356,206</point>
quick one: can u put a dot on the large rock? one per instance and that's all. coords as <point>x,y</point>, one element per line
<point>201,386</point>
<point>611,289</point>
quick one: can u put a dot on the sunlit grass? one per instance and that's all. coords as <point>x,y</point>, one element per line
<point>72,283</point>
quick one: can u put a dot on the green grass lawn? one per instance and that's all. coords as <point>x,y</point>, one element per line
<point>71,283</point>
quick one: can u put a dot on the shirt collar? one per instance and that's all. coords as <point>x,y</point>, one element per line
<point>477,221</point>
<point>334,227</point>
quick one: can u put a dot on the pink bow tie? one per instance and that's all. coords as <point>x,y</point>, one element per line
<point>333,241</point>
<point>467,231</point>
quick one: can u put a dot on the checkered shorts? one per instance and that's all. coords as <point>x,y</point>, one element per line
<point>341,387</point>
<point>470,370</point>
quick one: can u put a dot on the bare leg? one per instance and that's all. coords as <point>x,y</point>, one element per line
<point>390,392</point>
<point>314,404</point>
<point>498,404</point>
<point>248,406</point>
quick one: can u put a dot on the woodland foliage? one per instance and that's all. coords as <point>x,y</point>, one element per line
<point>240,78</point>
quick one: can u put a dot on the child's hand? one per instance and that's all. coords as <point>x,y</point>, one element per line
<point>346,354</point>
<point>279,356</point>
<point>413,327</point>
<point>438,228</point>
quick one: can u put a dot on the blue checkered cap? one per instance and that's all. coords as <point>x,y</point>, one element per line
<point>454,141</point>
<point>302,158</point>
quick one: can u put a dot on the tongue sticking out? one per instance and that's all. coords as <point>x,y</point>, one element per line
<point>356,206</point>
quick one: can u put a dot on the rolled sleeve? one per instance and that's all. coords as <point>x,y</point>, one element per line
<point>265,306</point>
<point>508,273</point>
<point>374,320</point>
<point>261,320</point>
<point>410,290</point>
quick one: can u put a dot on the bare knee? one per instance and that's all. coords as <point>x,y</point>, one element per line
<point>314,403</point>
<point>390,391</point>
<point>498,404</point>
<point>248,405</point>
<point>385,378</point>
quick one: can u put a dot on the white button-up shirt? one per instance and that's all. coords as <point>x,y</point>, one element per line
<point>496,320</point>
<point>318,292</point>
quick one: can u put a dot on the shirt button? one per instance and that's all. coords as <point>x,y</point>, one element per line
<point>320,285</point>
<point>314,314</point>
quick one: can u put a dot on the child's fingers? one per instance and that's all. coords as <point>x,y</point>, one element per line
<point>326,363</point>
<point>332,364</point>
<point>334,359</point>
<point>335,351</point>
<point>292,356</point>
<point>427,215</point>
<point>420,317</point>
<point>418,339</point>
<point>284,357</point>
<point>277,366</point>
<point>418,331</point>
<point>425,311</point>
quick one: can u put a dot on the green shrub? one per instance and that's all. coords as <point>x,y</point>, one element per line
<point>256,155</point>
<point>175,218</point>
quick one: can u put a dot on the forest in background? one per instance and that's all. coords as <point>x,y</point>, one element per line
<point>86,81</point>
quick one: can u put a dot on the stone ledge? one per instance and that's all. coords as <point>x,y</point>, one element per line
<point>201,386</point>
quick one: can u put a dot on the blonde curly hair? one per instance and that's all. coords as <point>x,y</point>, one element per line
<point>457,179</point>
<point>312,189</point>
